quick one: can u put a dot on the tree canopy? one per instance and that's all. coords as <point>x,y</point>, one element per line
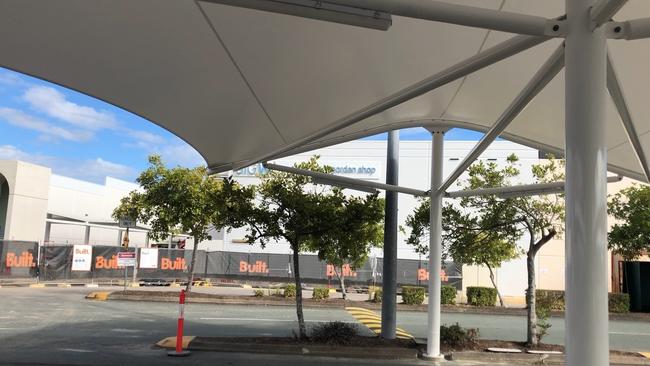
<point>183,200</point>
<point>630,235</point>
<point>484,229</point>
<point>310,217</point>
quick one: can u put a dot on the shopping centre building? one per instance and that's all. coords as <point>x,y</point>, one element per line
<point>36,205</point>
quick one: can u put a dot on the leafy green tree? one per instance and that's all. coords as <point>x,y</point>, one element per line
<point>292,208</point>
<point>477,230</point>
<point>629,237</point>
<point>181,200</point>
<point>542,218</point>
<point>359,228</point>
<point>484,229</point>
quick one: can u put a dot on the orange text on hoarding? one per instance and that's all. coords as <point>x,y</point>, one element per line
<point>104,263</point>
<point>423,275</point>
<point>257,267</point>
<point>177,264</point>
<point>25,259</point>
<point>346,271</point>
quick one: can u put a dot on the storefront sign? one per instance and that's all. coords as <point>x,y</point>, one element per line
<point>126,259</point>
<point>362,170</point>
<point>148,258</point>
<point>82,257</point>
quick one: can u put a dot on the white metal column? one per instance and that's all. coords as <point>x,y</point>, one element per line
<point>586,321</point>
<point>87,235</point>
<point>435,245</point>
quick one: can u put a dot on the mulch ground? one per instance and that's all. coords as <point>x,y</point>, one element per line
<point>370,342</point>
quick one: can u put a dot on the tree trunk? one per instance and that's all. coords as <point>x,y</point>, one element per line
<point>190,276</point>
<point>341,281</point>
<point>494,283</point>
<point>531,334</point>
<point>296,273</point>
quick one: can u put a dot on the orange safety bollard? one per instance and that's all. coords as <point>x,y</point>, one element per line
<point>178,352</point>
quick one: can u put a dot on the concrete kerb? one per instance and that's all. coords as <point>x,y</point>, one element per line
<point>250,300</point>
<point>215,345</point>
<point>533,359</point>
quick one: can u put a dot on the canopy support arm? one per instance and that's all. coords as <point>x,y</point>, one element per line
<point>483,59</point>
<point>630,30</point>
<point>603,10</point>
<point>470,16</point>
<point>519,190</point>
<point>545,74</point>
<point>615,91</point>
<point>345,182</point>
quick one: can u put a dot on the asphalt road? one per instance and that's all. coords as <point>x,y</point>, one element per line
<point>56,326</point>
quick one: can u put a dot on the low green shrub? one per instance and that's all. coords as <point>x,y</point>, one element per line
<point>448,295</point>
<point>481,296</point>
<point>619,303</point>
<point>551,299</point>
<point>543,311</point>
<point>290,290</point>
<point>259,293</point>
<point>455,336</point>
<point>334,333</point>
<point>320,293</point>
<point>378,295</point>
<point>554,300</point>
<point>412,295</point>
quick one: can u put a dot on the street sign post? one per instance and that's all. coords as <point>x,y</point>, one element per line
<point>126,222</point>
<point>126,259</point>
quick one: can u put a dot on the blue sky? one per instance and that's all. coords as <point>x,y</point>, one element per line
<point>82,137</point>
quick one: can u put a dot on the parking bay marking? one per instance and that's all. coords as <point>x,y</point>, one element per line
<point>372,321</point>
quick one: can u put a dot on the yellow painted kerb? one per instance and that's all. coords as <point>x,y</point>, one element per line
<point>373,322</point>
<point>170,342</point>
<point>98,295</point>
<point>645,354</point>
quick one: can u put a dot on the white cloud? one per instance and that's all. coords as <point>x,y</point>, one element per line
<point>90,170</point>
<point>9,78</point>
<point>102,168</point>
<point>180,153</point>
<point>144,140</point>
<point>53,103</point>
<point>49,131</point>
<point>10,152</point>
<point>174,151</point>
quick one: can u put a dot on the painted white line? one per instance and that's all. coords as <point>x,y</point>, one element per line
<point>76,350</point>
<point>124,330</point>
<point>252,320</point>
<point>630,333</point>
<point>7,317</point>
<point>270,320</point>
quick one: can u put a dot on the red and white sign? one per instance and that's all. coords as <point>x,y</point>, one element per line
<point>126,259</point>
<point>82,257</point>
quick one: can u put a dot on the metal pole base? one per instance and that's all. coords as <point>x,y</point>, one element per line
<point>427,357</point>
<point>178,354</point>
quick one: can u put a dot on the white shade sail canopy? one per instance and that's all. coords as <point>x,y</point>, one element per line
<point>239,84</point>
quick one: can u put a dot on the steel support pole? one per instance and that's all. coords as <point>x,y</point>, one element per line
<point>87,235</point>
<point>435,245</point>
<point>586,319</point>
<point>389,276</point>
